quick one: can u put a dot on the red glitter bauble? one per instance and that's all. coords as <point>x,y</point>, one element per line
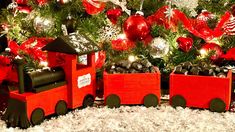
<point>212,47</point>
<point>136,28</point>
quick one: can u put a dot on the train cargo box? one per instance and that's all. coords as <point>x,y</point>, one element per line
<point>201,91</point>
<point>132,89</point>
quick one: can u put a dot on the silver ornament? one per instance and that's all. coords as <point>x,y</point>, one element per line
<point>42,24</point>
<point>159,47</point>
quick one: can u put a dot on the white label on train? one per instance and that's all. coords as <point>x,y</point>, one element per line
<point>84,80</point>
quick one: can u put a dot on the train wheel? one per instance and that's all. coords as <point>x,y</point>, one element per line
<point>178,100</point>
<point>217,105</point>
<point>113,101</point>
<point>88,101</point>
<point>37,116</point>
<point>61,108</point>
<point>150,100</point>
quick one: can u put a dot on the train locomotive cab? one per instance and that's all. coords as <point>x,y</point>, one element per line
<point>68,84</point>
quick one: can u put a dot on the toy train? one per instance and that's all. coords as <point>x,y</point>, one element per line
<point>70,84</point>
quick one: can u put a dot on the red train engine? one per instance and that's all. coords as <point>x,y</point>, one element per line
<point>67,85</point>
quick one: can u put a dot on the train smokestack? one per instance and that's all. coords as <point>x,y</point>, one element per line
<point>20,67</point>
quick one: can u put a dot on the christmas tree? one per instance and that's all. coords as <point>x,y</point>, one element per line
<point>166,33</point>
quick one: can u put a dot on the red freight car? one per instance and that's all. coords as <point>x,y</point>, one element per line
<point>138,88</point>
<point>201,91</point>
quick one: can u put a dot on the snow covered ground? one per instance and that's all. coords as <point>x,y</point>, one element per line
<point>135,118</point>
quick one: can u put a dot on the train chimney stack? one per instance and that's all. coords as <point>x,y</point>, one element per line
<point>20,67</point>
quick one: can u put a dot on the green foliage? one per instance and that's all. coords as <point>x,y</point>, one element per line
<point>218,7</point>
<point>228,42</point>
<point>159,31</point>
<point>92,25</point>
<point>149,6</point>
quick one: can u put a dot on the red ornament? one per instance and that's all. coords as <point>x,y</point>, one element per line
<point>136,28</point>
<point>21,2</point>
<point>93,7</point>
<point>212,47</point>
<point>185,43</point>
<point>24,9</point>
<point>122,44</point>
<point>42,2</point>
<point>114,14</point>
<point>147,40</point>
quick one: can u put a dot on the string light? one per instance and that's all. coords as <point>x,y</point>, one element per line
<point>43,63</point>
<point>132,58</point>
<point>203,53</point>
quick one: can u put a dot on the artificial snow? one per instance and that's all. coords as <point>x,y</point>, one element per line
<point>135,118</point>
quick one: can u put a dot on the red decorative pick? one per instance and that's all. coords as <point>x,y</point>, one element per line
<point>160,18</point>
<point>185,43</point>
<point>100,59</point>
<point>114,14</point>
<point>32,47</point>
<point>229,27</point>
<point>192,25</point>
<point>122,44</point>
<point>93,7</point>
<point>136,27</point>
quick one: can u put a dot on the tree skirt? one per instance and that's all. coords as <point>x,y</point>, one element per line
<point>135,118</point>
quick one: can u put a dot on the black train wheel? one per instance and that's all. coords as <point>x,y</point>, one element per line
<point>61,108</point>
<point>178,100</point>
<point>217,105</point>
<point>150,100</point>
<point>112,101</point>
<point>37,116</point>
<point>88,101</point>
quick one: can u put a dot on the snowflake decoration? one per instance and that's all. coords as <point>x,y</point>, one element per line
<point>109,32</point>
<point>169,12</point>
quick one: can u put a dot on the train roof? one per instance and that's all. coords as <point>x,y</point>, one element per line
<point>75,43</point>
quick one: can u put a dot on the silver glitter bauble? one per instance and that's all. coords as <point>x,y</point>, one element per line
<point>159,47</point>
<point>42,24</point>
